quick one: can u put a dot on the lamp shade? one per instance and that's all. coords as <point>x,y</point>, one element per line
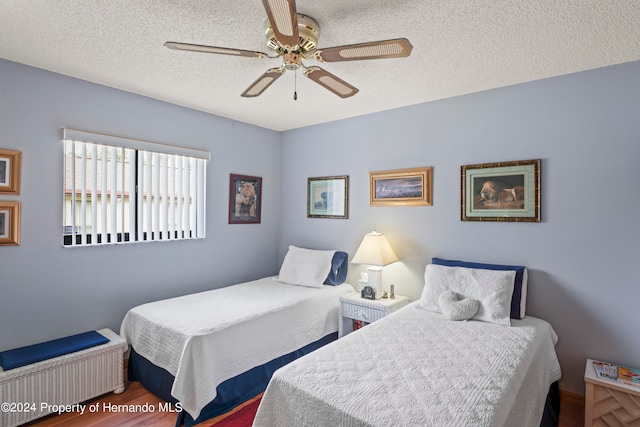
<point>374,250</point>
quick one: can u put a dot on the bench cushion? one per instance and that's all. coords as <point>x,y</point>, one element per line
<point>11,359</point>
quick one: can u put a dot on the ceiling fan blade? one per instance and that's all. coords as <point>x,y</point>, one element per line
<point>215,49</point>
<point>284,21</point>
<point>263,82</point>
<point>394,48</point>
<point>330,82</point>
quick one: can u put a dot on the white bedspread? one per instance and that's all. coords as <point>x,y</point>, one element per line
<point>415,368</point>
<point>206,338</point>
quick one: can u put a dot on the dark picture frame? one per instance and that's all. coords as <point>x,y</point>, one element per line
<point>502,191</point>
<point>328,197</point>
<point>245,199</point>
<point>10,163</point>
<point>401,187</point>
<point>9,223</point>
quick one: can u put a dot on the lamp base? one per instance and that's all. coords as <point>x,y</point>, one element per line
<point>375,280</point>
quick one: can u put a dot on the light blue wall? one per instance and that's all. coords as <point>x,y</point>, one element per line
<point>48,291</point>
<point>583,256</point>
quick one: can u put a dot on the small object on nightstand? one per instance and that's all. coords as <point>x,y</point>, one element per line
<point>393,295</point>
<point>368,293</point>
<point>384,295</point>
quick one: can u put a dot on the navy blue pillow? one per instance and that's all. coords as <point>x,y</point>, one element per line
<point>22,356</point>
<point>517,301</point>
<point>339,267</point>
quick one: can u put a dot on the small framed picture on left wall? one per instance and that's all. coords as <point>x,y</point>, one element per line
<point>9,223</point>
<point>245,199</point>
<point>10,171</point>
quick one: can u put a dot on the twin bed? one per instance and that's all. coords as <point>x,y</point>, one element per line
<point>212,350</point>
<point>416,368</point>
<point>413,367</point>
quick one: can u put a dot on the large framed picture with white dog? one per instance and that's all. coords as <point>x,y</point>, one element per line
<point>503,191</point>
<point>245,199</point>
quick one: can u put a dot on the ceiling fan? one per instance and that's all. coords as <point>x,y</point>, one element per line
<point>294,37</point>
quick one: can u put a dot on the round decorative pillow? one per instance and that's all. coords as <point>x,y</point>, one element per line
<point>456,307</point>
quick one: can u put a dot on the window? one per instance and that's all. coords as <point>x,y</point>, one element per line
<point>119,190</point>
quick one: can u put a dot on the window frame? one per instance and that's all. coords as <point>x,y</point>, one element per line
<point>144,165</point>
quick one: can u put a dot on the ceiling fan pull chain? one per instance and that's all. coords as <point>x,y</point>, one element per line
<point>295,85</point>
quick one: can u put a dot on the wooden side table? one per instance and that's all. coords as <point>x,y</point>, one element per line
<point>354,307</point>
<point>610,403</point>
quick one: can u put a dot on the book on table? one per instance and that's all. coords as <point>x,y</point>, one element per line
<point>622,374</point>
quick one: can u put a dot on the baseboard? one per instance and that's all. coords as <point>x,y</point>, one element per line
<point>570,398</point>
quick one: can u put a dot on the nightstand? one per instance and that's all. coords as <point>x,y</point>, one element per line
<point>354,307</point>
<point>609,402</point>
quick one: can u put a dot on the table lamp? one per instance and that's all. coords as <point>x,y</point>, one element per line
<point>376,252</point>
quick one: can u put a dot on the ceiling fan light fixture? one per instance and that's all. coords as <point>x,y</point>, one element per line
<point>292,61</point>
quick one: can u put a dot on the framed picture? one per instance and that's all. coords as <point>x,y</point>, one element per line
<point>328,197</point>
<point>400,187</point>
<point>245,199</point>
<point>505,191</point>
<point>9,223</point>
<point>10,171</point>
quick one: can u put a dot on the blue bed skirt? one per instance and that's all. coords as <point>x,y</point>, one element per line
<point>230,393</point>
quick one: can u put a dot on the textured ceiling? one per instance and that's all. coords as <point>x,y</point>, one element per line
<point>460,46</point>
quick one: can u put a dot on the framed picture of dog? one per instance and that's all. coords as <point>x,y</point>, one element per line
<point>245,199</point>
<point>328,197</point>
<point>503,191</point>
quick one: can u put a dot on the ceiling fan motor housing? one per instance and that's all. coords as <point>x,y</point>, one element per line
<point>308,31</point>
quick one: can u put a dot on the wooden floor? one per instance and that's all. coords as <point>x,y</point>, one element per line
<point>134,394</point>
<point>571,412</point>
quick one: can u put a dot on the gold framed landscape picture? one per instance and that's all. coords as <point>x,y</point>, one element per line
<point>401,187</point>
<point>504,191</point>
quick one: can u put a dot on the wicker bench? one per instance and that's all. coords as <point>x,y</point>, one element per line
<point>35,390</point>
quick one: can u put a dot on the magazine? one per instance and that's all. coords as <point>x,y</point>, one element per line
<point>605,371</point>
<point>624,375</point>
<point>629,376</point>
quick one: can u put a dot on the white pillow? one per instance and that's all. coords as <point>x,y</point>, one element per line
<point>493,289</point>
<point>457,307</point>
<point>305,267</point>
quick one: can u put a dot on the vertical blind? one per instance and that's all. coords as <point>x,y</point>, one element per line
<point>120,190</point>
